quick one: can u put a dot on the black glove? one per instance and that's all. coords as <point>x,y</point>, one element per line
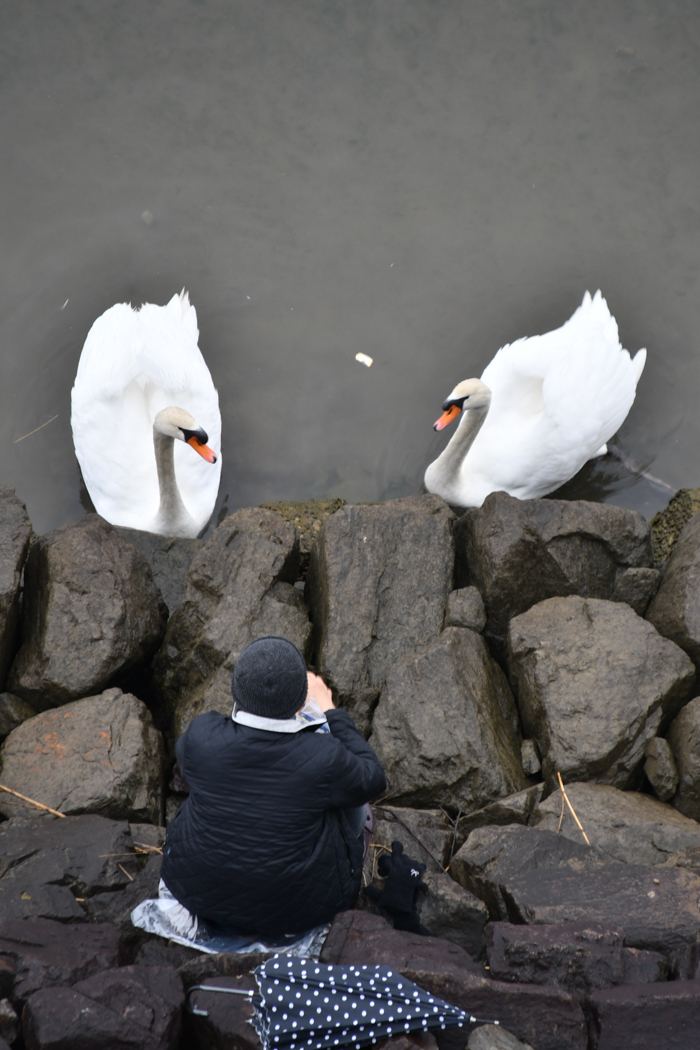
<point>399,895</point>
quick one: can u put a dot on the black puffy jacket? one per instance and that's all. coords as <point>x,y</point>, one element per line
<point>260,843</point>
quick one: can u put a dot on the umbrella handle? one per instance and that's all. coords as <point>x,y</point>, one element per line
<point>215,988</point>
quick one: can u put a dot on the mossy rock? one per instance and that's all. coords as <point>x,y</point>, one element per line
<point>667,525</point>
<point>307,517</point>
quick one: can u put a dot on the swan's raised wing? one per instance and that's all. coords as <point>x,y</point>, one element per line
<point>557,398</point>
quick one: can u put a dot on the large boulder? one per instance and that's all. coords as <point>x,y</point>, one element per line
<point>519,552</point>
<point>49,866</point>
<point>684,738</point>
<point>623,826</point>
<point>98,755</point>
<point>169,558</point>
<point>39,953</point>
<point>675,610</point>
<point>15,536</point>
<point>646,1016</point>
<point>594,682</point>
<point>446,727</point>
<point>378,581</point>
<point>513,809</point>
<point>239,587</point>
<point>91,614</point>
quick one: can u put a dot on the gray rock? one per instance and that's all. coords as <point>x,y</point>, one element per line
<point>13,711</point>
<point>578,956</point>
<point>98,755</point>
<point>519,552</point>
<point>446,728</point>
<point>39,953</point>
<point>378,580</point>
<point>15,536</point>
<point>149,996</point>
<point>622,826</point>
<point>594,682</point>
<point>9,1022</point>
<point>492,857</point>
<point>513,809</point>
<point>116,907</point>
<point>169,558</point>
<point>465,608</point>
<point>494,1037</point>
<point>675,610</point>
<point>91,614</point>
<point>644,967</point>
<point>451,912</point>
<point>684,738</point>
<point>660,768</point>
<point>530,758</point>
<point>647,1016</point>
<point>48,866</point>
<point>426,835</point>
<point>658,908</point>
<point>636,587</point>
<point>239,587</point>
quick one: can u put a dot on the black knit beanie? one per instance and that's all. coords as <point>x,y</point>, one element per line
<point>270,678</point>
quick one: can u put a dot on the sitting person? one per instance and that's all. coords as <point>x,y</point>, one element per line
<point>268,840</point>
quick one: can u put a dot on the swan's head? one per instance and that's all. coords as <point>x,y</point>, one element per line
<point>471,393</point>
<point>180,425</point>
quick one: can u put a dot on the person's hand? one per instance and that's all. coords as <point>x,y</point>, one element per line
<point>320,692</point>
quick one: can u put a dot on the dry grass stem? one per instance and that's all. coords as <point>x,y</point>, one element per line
<point>129,877</point>
<point>573,814</point>
<point>34,432</point>
<point>32,801</point>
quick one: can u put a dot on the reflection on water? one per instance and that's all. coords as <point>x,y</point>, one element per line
<point>421,182</point>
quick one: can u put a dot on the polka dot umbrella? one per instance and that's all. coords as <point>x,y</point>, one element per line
<point>307,1005</point>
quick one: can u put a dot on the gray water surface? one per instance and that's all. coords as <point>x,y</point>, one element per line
<point>419,180</point>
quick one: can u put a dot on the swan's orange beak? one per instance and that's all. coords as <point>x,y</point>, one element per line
<point>204,450</point>
<point>447,417</point>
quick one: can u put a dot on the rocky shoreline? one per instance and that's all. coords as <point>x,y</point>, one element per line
<point>484,655</point>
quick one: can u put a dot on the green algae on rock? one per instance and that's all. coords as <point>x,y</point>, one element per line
<point>667,525</point>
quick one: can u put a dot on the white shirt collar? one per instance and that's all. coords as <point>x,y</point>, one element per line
<point>310,715</point>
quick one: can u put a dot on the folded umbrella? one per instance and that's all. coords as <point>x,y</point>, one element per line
<point>307,1005</point>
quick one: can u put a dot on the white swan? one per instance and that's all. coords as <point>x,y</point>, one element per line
<point>543,407</point>
<point>142,394</point>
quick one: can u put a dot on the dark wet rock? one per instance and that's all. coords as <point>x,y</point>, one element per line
<point>409,1041</point>
<point>494,1037</point>
<point>39,953</point>
<point>578,956</point>
<point>147,836</point>
<point>156,951</point>
<point>530,758</point>
<point>684,738</point>
<point>9,1023</point>
<point>465,608</point>
<point>675,610</point>
<point>15,537</point>
<point>660,768</point>
<point>644,967</point>
<point>658,908</point>
<point>220,964</point>
<point>91,613</point>
<point>647,1016</point>
<point>98,755</point>
<point>228,1020</point>
<point>622,826</point>
<point>169,558</point>
<point>116,907</point>
<point>492,857</point>
<point>594,682</point>
<point>307,517</point>
<point>453,913</point>
<point>636,588</point>
<point>547,1018</point>
<point>667,524</point>
<point>13,711</point>
<point>513,809</point>
<point>239,587</point>
<point>446,727</point>
<point>49,866</point>
<point>150,996</point>
<point>519,552</point>
<point>378,581</point>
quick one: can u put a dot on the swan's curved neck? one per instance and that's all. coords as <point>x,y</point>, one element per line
<point>172,517</point>
<point>446,468</point>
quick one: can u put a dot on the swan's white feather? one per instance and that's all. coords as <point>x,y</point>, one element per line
<point>556,400</point>
<point>135,363</point>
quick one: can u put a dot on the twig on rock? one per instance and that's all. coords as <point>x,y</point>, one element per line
<point>561,815</point>
<point>129,877</point>
<point>573,814</point>
<point>32,801</point>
